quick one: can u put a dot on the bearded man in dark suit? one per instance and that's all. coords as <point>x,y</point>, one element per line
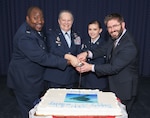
<point>122,60</point>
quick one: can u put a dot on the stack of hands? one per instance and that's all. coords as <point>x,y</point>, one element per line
<point>79,62</point>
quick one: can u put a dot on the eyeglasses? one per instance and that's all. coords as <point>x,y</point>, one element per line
<point>114,26</point>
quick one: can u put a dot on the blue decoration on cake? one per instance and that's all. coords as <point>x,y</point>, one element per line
<point>81,98</point>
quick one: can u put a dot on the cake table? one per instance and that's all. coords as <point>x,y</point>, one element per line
<point>123,110</point>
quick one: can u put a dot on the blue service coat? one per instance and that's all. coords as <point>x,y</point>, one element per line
<point>122,66</point>
<point>58,46</point>
<point>29,58</point>
<point>90,79</point>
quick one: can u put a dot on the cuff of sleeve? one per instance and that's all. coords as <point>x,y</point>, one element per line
<point>93,70</point>
<point>89,54</point>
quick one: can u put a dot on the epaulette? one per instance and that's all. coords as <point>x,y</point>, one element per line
<point>50,31</point>
<point>28,31</point>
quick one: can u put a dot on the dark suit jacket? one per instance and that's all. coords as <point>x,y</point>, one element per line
<point>90,79</point>
<point>29,57</point>
<point>58,46</point>
<point>122,66</point>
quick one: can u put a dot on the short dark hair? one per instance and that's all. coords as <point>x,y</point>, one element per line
<point>95,22</point>
<point>31,8</point>
<point>113,16</point>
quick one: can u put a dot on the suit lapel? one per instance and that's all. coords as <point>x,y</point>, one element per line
<point>40,40</point>
<point>110,51</point>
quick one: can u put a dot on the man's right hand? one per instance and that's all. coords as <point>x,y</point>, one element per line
<point>82,56</point>
<point>72,60</point>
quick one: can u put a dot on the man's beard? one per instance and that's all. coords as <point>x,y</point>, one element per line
<point>119,34</point>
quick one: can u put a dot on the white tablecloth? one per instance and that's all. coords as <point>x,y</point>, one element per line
<point>123,109</point>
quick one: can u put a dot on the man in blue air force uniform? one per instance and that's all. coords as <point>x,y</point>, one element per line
<point>27,66</point>
<point>60,42</point>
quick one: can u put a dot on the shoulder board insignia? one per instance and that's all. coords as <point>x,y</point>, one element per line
<point>28,32</point>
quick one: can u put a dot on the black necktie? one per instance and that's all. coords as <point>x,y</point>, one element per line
<point>68,39</point>
<point>115,44</point>
<point>112,50</point>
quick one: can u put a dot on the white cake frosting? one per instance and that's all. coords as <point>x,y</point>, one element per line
<point>79,102</point>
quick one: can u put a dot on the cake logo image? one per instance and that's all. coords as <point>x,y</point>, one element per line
<point>81,98</point>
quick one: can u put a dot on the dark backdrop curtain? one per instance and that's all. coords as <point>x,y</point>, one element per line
<point>135,12</point>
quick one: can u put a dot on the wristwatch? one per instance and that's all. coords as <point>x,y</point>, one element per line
<point>87,53</point>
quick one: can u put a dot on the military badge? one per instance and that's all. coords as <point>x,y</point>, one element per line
<point>77,39</point>
<point>58,42</point>
<point>97,43</point>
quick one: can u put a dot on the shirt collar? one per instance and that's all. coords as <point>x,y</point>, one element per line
<point>69,32</point>
<point>117,40</point>
<point>95,40</point>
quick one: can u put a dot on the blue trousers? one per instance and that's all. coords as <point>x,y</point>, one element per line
<point>26,101</point>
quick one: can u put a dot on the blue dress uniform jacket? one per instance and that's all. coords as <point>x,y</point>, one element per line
<point>122,66</point>
<point>91,80</point>
<point>58,46</point>
<point>29,57</point>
